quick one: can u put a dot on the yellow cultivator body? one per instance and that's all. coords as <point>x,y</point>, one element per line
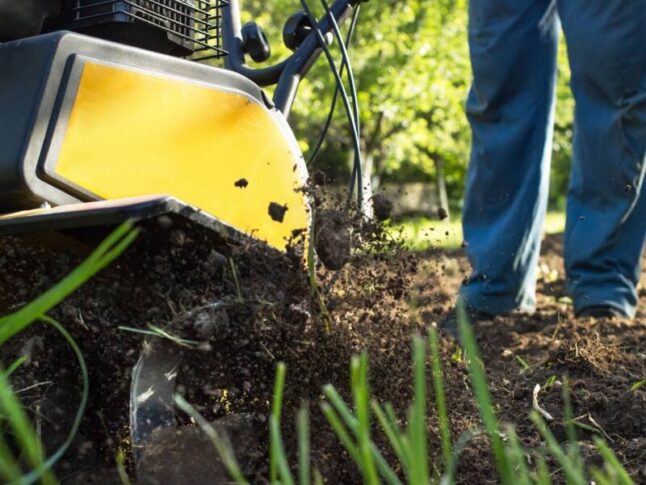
<point>113,122</point>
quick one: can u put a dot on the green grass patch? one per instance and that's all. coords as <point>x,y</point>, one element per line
<point>421,233</point>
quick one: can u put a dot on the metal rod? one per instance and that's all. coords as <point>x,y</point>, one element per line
<point>288,73</point>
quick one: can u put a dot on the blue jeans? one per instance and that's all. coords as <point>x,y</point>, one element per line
<point>510,107</point>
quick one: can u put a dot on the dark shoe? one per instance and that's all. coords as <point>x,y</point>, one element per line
<point>450,327</point>
<point>600,311</point>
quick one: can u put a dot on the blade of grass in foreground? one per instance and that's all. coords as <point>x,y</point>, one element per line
<point>121,468</point>
<point>9,470</point>
<point>280,457</point>
<point>516,454</point>
<point>34,475</point>
<point>482,396</point>
<point>276,408</point>
<point>360,392</point>
<point>440,399</point>
<point>15,365</point>
<point>393,433</point>
<point>613,463</point>
<point>570,469</point>
<point>349,420</point>
<point>22,430</point>
<point>102,256</point>
<point>417,425</point>
<point>221,444</point>
<point>303,430</point>
<point>12,324</point>
<point>573,451</point>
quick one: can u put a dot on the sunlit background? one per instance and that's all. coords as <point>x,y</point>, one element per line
<point>411,64</point>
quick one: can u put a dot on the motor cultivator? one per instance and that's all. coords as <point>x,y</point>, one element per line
<point>103,121</point>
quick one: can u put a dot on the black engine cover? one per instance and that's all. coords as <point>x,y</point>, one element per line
<point>24,18</point>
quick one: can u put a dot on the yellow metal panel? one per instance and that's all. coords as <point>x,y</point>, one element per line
<point>132,133</point>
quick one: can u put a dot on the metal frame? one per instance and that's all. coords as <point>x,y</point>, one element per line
<point>287,74</point>
<point>198,29</point>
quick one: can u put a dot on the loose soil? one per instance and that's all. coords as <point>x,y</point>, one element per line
<point>376,302</point>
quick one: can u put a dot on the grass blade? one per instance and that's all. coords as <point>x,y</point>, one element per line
<point>359,381</point>
<point>570,469</point>
<point>276,408</point>
<point>440,398</point>
<point>394,436</point>
<point>278,449</point>
<point>542,472</point>
<point>600,478</point>
<point>612,462</point>
<point>318,478</point>
<point>303,430</point>
<point>102,256</point>
<point>417,424</point>
<point>9,470</point>
<point>574,452</point>
<point>221,444</point>
<point>341,432</point>
<point>15,365</point>
<point>85,393</point>
<point>482,395</point>
<point>449,475</point>
<point>383,467</point>
<point>516,455</point>
<point>340,406</point>
<point>121,468</point>
<point>23,430</point>
<point>353,425</point>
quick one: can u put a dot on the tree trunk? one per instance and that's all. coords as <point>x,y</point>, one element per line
<point>442,195</point>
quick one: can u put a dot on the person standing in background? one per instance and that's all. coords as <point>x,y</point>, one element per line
<point>513,46</point>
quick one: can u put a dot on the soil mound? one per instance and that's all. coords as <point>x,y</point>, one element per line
<point>265,313</point>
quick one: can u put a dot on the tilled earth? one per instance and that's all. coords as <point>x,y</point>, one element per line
<point>267,314</point>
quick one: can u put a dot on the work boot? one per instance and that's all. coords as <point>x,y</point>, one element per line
<point>600,311</point>
<point>450,327</point>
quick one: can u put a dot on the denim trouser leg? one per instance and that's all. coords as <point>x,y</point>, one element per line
<point>606,213</point>
<point>510,108</point>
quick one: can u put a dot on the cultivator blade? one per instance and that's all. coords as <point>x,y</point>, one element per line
<point>151,392</point>
<point>109,213</point>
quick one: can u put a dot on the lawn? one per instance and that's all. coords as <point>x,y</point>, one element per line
<point>421,233</point>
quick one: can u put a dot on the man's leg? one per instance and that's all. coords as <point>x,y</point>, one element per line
<point>606,214</point>
<point>510,108</point>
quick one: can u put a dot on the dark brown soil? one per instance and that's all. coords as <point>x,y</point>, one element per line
<point>377,302</point>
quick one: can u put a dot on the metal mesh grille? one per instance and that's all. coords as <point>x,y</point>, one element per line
<point>193,24</point>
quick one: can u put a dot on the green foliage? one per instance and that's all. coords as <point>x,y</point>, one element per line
<point>412,69</point>
<point>353,427</point>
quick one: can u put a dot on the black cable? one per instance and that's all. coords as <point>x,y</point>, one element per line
<point>328,122</point>
<point>357,166</point>
<point>344,95</point>
<point>346,62</point>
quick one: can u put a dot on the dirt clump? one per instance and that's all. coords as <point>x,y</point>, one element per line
<point>333,238</point>
<point>382,206</point>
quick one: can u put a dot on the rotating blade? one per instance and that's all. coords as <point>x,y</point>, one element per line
<point>151,391</point>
